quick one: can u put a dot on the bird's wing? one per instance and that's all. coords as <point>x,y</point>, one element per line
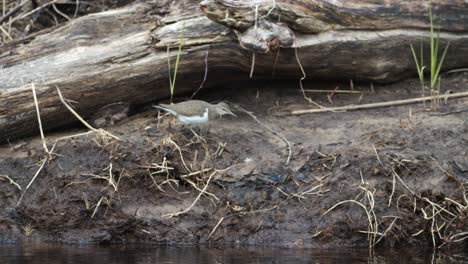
<point>166,108</point>
<point>187,108</point>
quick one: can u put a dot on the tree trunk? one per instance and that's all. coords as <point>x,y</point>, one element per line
<point>121,55</point>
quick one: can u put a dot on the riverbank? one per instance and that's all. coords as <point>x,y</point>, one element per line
<point>385,176</point>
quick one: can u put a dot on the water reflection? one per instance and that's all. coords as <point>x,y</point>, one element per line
<point>143,254</point>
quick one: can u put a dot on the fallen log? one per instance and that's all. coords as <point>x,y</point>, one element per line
<point>122,55</point>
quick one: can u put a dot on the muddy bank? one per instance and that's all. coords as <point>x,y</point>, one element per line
<point>390,176</point>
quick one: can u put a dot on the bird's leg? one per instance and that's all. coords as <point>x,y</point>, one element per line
<point>199,138</point>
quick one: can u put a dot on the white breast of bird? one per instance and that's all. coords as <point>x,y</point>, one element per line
<point>194,119</point>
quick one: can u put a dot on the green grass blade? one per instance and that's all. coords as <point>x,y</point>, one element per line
<point>441,61</point>
<point>432,44</point>
<point>176,65</point>
<point>419,67</point>
<point>415,57</point>
<point>436,55</point>
<point>422,56</point>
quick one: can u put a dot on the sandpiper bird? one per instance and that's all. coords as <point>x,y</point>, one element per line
<point>196,111</point>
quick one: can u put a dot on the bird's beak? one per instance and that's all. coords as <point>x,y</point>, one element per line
<point>231,113</point>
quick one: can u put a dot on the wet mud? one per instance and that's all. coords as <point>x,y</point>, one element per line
<point>386,176</point>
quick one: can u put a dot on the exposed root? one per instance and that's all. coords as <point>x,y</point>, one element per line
<point>371,224</point>
<point>196,199</point>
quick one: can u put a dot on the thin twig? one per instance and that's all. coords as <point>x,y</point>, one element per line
<point>271,130</point>
<point>271,9</point>
<point>180,153</point>
<point>60,12</point>
<point>6,33</point>
<point>388,229</point>
<point>12,11</point>
<point>76,8</point>
<point>378,105</point>
<point>215,228</point>
<point>252,66</point>
<point>44,143</point>
<point>301,85</point>
<point>100,131</point>
<point>11,181</point>
<point>97,206</point>
<point>32,180</point>
<point>206,73</point>
<point>32,11</point>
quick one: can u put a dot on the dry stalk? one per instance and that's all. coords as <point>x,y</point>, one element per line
<point>97,206</point>
<point>215,228</point>
<point>289,194</point>
<point>169,140</point>
<point>32,11</point>
<point>206,73</point>
<point>195,173</point>
<point>371,231</point>
<point>437,210</point>
<point>253,53</point>
<point>44,161</point>
<point>303,194</point>
<point>12,182</point>
<point>435,205</point>
<point>196,199</point>
<point>85,200</point>
<point>103,133</point>
<point>377,155</point>
<point>110,178</point>
<point>76,8</point>
<point>460,207</point>
<point>28,229</point>
<point>393,190</point>
<point>252,66</point>
<point>288,144</point>
<point>412,199</point>
<point>373,224</point>
<point>60,12</point>
<point>301,80</point>
<point>219,149</point>
<point>378,105</point>
<point>388,229</point>
<point>200,190</point>
<point>163,168</point>
<point>401,181</point>
<point>44,143</point>
<point>417,233</point>
<point>455,238</point>
<point>6,33</point>
<point>12,11</point>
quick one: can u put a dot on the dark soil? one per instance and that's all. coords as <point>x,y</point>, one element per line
<point>259,200</point>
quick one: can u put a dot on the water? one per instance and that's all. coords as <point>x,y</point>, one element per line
<point>140,254</point>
